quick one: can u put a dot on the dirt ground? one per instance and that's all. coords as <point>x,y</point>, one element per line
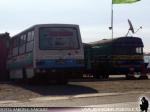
<point>23,92</point>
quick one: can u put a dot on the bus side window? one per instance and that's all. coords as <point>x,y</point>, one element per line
<point>30,38</point>
<point>32,33</point>
<point>15,47</point>
<point>22,44</point>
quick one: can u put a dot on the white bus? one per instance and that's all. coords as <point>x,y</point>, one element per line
<point>49,50</point>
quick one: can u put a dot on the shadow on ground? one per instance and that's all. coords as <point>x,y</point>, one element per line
<point>57,90</point>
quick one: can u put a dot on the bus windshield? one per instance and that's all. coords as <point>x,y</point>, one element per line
<point>58,38</point>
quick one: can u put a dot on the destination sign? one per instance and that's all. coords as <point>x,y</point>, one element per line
<point>60,33</point>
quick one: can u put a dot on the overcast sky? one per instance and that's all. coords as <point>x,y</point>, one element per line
<point>93,16</point>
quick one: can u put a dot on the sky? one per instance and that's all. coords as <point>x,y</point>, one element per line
<point>93,17</point>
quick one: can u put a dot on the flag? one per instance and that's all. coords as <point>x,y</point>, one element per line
<point>123,1</point>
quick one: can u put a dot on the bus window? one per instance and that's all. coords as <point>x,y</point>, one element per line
<point>58,38</point>
<point>23,39</point>
<point>29,46</point>
<point>15,44</point>
<point>30,36</point>
<point>22,44</point>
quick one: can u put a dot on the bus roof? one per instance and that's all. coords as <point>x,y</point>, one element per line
<point>45,25</point>
<point>136,40</point>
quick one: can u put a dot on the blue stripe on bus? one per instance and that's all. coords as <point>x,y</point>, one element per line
<point>67,63</point>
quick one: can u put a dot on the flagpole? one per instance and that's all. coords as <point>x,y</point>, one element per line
<point>112,29</point>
